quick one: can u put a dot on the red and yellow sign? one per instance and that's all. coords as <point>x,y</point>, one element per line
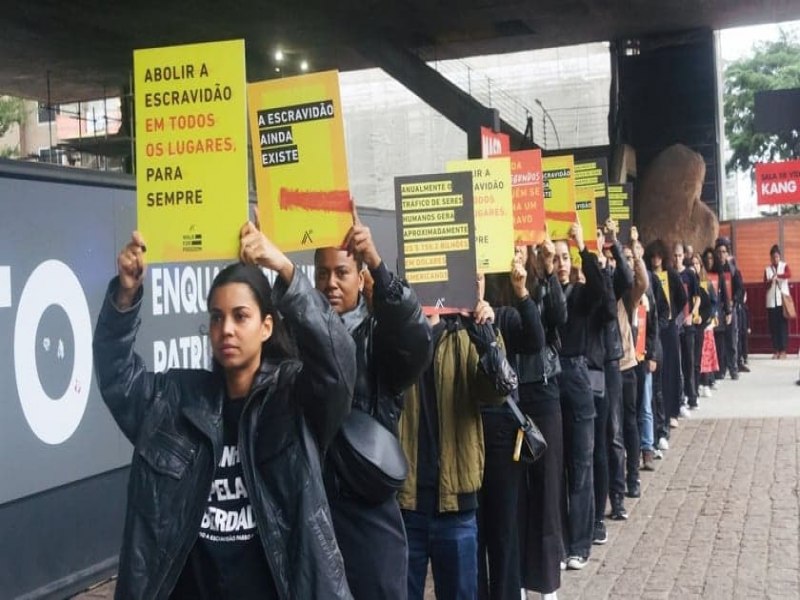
<point>526,190</point>
<point>300,161</point>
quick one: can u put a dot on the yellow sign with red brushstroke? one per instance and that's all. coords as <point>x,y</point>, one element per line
<point>558,174</point>
<point>299,160</point>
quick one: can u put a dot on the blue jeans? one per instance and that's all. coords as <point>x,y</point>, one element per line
<point>450,541</point>
<point>645,408</point>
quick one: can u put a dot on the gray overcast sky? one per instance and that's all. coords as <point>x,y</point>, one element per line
<point>738,42</point>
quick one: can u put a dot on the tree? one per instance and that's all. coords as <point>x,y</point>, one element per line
<point>774,65</point>
<point>12,110</point>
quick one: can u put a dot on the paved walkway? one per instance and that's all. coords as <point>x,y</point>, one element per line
<point>719,518</point>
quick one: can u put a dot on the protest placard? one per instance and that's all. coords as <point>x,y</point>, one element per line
<point>593,174</point>
<point>620,202</point>
<point>436,239</point>
<point>528,197</point>
<point>300,162</point>
<point>493,207</point>
<point>558,176</point>
<point>191,150</point>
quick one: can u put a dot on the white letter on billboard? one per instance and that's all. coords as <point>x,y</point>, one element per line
<point>53,420</point>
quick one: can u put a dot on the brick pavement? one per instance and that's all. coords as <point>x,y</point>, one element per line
<point>720,516</point>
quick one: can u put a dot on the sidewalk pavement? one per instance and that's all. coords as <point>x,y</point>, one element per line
<point>720,516</point>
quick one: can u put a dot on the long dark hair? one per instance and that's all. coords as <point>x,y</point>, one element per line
<point>658,248</point>
<point>714,261</point>
<point>279,346</point>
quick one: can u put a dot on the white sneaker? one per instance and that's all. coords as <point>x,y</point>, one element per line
<point>685,411</point>
<point>663,444</point>
<point>550,596</point>
<point>702,392</point>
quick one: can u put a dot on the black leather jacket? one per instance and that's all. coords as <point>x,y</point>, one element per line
<point>174,420</point>
<point>543,366</point>
<point>393,347</point>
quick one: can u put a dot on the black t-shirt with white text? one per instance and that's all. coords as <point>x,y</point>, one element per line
<point>227,560</point>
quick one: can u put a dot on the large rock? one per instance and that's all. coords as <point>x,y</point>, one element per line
<point>669,200</point>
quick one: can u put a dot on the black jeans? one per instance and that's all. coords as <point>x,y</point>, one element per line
<point>602,425</point>
<point>541,492</point>
<point>732,345</point>
<point>688,335</point>
<point>615,456</point>
<point>660,421</point>
<point>577,405</point>
<point>498,521</point>
<point>744,323</point>
<point>630,425</point>
<point>671,371</point>
<point>778,328</point>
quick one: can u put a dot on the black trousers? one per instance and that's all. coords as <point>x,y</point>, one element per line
<point>660,421</point>
<point>602,426</point>
<point>778,328</point>
<point>540,525</point>
<point>372,539</point>
<point>743,343</point>
<point>630,425</point>
<point>671,371</point>
<point>731,346</point>
<point>688,350</point>
<point>498,516</point>
<point>577,406</point>
<point>615,455</point>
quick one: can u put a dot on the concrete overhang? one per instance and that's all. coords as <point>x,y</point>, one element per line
<point>86,45</point>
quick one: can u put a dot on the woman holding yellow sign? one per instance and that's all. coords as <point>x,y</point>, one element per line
<point>226,498</point>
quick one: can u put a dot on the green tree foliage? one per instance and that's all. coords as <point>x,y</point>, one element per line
<point>12,110</point>
<point>774,65</point>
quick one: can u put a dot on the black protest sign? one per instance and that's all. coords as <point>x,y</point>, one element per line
<point>620,203</point>
<point>436,239</point>
<point>593,174</point>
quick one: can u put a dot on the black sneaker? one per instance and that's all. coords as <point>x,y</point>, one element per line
<point>634,490</point>
<point>600,535</point>
<point>618,512</point>
<point>744,369</point>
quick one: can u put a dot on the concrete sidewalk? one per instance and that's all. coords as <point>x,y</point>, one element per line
<point>719,518</point>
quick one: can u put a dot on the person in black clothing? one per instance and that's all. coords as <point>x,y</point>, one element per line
<point>219,455</point>
<point>688,332</point>
<point>577,401</point>
<point>609,452</point>
<point>519,320</point>
<point>659,261</point>
<point>393,347</point>
<point>733,294</point>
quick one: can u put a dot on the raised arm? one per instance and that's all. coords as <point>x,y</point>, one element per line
<point>127,388</point>
<point>325,385</point>
<point>402,336</point>
<point>327,350</point>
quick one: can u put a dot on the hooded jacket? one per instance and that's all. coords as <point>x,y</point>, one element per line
<point>174,420</point>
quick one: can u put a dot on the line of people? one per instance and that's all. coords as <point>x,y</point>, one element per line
<point>349,440</point>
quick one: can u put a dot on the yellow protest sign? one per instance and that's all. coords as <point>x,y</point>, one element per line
<point>494,213</point>
<point>585,210</point>
<point>191,150</point>
<point>558,175</point>
<point>300,161</point>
